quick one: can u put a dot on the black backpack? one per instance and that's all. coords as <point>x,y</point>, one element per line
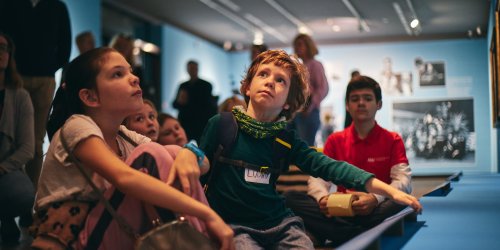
<point>227,132</point>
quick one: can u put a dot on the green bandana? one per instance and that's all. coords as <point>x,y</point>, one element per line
<point>255,128</point>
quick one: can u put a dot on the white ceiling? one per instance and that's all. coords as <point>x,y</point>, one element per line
<point>237,21</point>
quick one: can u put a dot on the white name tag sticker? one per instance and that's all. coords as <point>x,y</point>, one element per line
<point>256,177</point>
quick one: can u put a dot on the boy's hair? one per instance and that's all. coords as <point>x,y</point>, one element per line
<point>299,79</point>
<point>146,102</point>
<point>312,50</point>
<point>81,74</point>
<point>12,77</point>
<point>162,117</point>
<point>363,82</point>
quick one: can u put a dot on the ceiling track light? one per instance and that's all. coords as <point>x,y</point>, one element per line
<point>362,23</point>
<point>402,18</point>
<point>267,28</point>
<point>415,22</point>
<point>229,15</point>
<point>301,26</point>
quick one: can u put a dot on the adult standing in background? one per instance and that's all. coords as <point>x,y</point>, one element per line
<point>85,41</point>
<point>42,33</point>
<point>308,121</point>
<point>195,103</point>
<point>125,45</point>
<point>17,146</point>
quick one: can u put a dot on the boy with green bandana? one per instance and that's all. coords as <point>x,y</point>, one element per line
<point>275,88</point>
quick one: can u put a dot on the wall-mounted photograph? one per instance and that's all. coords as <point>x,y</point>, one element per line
<point>395,83</point>
<point>430,73</point>
<point>436,131</point>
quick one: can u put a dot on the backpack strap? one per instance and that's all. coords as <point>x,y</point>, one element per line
<point>243,164</point>
<point>281,150</point>
<point>227,131</point>
<point>128,139</point>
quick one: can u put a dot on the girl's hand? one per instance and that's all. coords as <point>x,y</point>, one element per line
<point>186,168</point>
<point>220,230</point>
<point>406,199</point>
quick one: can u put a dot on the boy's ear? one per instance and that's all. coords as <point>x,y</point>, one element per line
<point>379,105</point>
<point>89,97</point>
<point>247,92</point>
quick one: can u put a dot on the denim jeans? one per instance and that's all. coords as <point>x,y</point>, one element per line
<point>307,125</point>
<point>289,234</point>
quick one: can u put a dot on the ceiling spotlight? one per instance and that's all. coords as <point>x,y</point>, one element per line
<point>303,29</point>
<point>478,31</point>
<point>469,33</point>
<point>414,23</point>
<point>258,38</point>
<point>336,28</point>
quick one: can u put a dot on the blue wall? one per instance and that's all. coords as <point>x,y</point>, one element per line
<point>84,15</point>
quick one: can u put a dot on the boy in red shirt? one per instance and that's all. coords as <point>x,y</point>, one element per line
<point>368,146</point>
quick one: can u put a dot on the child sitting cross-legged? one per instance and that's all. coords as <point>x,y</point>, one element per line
<point>275,88</point>
<point>127,168</point>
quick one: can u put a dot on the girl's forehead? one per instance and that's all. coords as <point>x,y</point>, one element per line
<point>114,59</point>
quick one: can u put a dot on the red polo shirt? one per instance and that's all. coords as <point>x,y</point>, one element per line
<point>376,154</point>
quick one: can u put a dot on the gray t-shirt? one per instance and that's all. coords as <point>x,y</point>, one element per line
<point>60,179</point>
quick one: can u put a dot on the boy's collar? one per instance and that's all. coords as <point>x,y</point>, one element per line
<point>244,111</point>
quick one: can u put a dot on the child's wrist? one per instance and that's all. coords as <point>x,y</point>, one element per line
<point>193,147</point>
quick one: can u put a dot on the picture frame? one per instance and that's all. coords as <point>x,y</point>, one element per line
<point>436,131</point>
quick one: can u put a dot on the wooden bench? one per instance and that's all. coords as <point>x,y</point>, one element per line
<point>370,239</point>
<point>434,184</point>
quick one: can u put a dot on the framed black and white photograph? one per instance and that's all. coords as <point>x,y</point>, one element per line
<point>432,74</point>
<point>395,83</point>
<point>436,131</point>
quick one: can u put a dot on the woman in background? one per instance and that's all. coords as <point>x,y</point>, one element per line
<point>308,121</point>
<point>17,146</point>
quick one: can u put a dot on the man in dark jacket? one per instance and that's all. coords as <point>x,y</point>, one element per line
<point>195,103</point>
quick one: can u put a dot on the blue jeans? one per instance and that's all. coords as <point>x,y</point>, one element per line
<point>307,125</point>
<point>16,196</point>
<point>289,234</point>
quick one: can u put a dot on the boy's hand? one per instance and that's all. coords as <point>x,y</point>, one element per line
<point>185,167</point>
<point>365,204</point>
<point>322,205</point>
<point>406,199</point>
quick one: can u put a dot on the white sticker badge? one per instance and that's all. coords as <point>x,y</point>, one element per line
<point>256,176</point>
